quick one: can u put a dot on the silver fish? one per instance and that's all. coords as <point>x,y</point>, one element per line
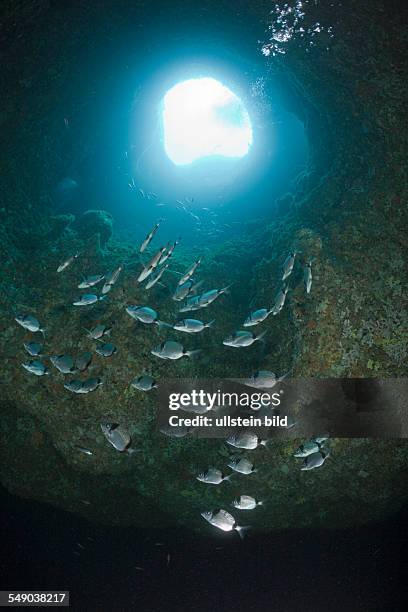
<point>192,326</point>
<point>307,449</point>
<point>33,348</point>
<point>176,431</point>
<point>90,281</point>
<point>74,386</point>
<point>321,439</point>
<point>67,262</point>
<point>280,300</point>
<point>197,408</point>
<point>91,384</point>
<point>245,439</point>
<point>192,303</point>
<point>35,367</point>
<point>195,217</point>
<point>223,520</point>
<point>29,322</point>
<point>98,331</point>
<point>106,350</point>
<point>83,450</point>
<point>63,363</point>
<point>307,276</point>
<point>243,466</point>
<point>288,264</point>
<point>242,338</point>
<point>157,257</point>
<point>264,379</point>
<point>87,299</point>
<point>155,279</point>
<point>169,252</point>
<point>151,265</point>
<point>83,360</point>
<point>188,288</point>
<point>117,435</point>
<point>246,502</point>
<point>145,314</point>
<point>315,460</point>
<point>190,272</point>
<point>144,383</point>
<point>210,296</point>
<point>149,237</point>
<point>213,476</point>
<point>172,350</point>
<point>111,279</point>
<point>257,317</point>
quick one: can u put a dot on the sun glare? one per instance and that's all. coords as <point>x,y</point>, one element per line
<point>203,118</point>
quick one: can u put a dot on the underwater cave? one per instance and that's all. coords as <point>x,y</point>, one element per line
<point>236,136</point>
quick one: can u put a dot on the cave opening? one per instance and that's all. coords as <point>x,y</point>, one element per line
<point>244,151</point>
<point>203,118</point>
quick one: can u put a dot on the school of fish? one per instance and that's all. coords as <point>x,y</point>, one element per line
<point>313,452</point>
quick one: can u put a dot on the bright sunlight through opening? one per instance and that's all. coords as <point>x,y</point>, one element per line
<point>203,118</point>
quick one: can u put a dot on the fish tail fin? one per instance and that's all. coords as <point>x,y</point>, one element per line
<point>194,288</point>
<point>211,323</point>
<point>163,324</point>
<point>130,451</point>
<point>261,335</point>
<point>175,272</point>
<point>43,331</point>
<point>285,375</point>
<point>226,289</point>
<point>193,353</point>
<point>242,530</point>
<point>228,478</point>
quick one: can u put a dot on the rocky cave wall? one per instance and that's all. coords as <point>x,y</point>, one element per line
<point>348,211</point>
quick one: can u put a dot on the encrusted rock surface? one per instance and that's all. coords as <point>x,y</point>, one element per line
<point>348,212</point>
